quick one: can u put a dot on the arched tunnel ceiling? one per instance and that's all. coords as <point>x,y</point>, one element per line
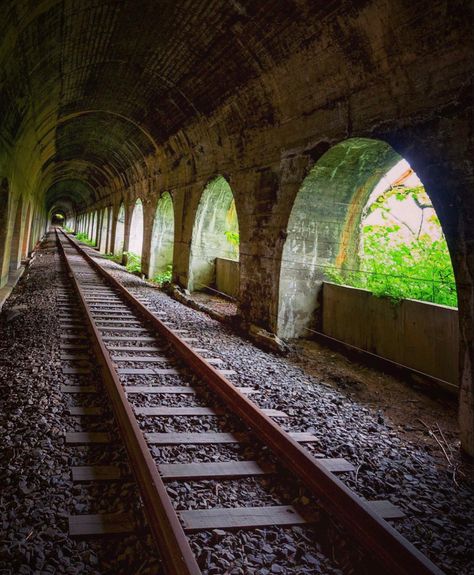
<point>90,88</point>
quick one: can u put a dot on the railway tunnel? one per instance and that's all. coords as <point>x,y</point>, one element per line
<point>236,287</point>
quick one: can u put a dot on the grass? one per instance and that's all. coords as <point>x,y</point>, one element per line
<point>84,238</point>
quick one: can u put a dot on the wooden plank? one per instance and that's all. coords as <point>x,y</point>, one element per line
<point>103,524</point>
<point>227,371</point>
<point>96,473</point>
<point>73,336</point>
<point>240,518</point>
<point>73,346</point>
<point>74,356</point>
<point>141,358</point>
<point>146,371</point>
<point>337,464</point>
<point>132,322</point>
<point>131,339</point>
<point>194,438</point>
<point>194,411</point>
<point>134,348</point>
<point>214,360</point>
<point>86,437</point>
<point>111,314</point>
<point>386,509</point>
<point>174,438</point>
<point>225,470</point>
<point>159,389</point>
<point>78,389</point>
<point>119,329</point>
<point>78,411</point>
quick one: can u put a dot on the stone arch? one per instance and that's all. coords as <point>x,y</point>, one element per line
<point>323,231</point>
<point>162,240</point>
<point>216,217</point>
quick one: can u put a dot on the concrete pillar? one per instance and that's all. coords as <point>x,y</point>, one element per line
<point>126,231</point>
<point>113,227</point>
<point>26,233</point>
<point>17,236</point>
<point>149,209</point>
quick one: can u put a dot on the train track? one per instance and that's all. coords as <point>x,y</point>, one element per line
<point>131,343</point>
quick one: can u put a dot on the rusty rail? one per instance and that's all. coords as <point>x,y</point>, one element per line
<point>162,518</point>
<point>394,554</point>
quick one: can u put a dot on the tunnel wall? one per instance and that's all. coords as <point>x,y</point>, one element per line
<point>398,72</point>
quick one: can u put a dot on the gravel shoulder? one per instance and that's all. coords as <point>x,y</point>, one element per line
<point>390,431</point>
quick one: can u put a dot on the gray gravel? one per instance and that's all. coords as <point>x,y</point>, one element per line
<point>439,509</point>
<point>37,493</point>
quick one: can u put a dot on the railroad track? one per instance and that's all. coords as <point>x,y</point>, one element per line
<point>146,364</point>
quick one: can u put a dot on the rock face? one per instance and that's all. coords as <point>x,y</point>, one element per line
<point>103,103</point>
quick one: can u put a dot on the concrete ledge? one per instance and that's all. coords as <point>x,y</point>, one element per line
<point>13,279</point>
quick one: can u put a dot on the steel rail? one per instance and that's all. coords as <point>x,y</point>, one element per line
<point>393,553</point>
<point>163,520</point>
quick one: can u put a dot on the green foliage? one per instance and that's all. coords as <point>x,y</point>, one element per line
<point>233,238</point>
<point>68,230</point>
<point>84,238</point>
<point>164,276</point>
<point>134,262</point>
<point>117,258</point>
<point>394,266</point>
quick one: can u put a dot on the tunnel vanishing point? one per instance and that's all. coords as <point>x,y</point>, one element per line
<point>104,103</point>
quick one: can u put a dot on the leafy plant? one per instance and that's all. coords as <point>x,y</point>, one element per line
<point>134,263</point>
<point>117,258</point>
<point>402,265</point>
<point>84,238</point>
<point>164,276</point>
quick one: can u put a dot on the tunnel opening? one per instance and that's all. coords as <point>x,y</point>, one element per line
<point>58,219</point>
<point>119,231</point>
<point>361,218</point>
<point>214,260</point>
<point>135,243</point>
<point>162,241</point>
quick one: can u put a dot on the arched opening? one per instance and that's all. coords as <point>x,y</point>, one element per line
<point>58,219</point>
<point>215,241</point>
<point>135,243</point>
<point>136,229</point>
<point>162,241</point>
<point>104,230</point>
<point>328,235</point>
<point>119,231</point>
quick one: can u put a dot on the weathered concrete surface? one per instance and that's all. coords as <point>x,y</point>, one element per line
<point>228,276</point>
<point>417,334</point>
<point>107,102</point>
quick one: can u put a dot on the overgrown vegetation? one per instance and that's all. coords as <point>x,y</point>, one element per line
<point>401,262</point>
<point>232,232</point>
<point>84,238</point>
<point>68,230</point>
<point>134,263</point>
<point>117,258</point>
<point>164,276</point>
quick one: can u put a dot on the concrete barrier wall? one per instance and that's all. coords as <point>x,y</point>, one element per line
<point>228,276</point>
<point>420,335</point>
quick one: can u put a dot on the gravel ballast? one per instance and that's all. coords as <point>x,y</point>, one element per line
<point>395,458</point>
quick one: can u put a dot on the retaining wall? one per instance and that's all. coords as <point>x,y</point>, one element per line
<point>420,335</point>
